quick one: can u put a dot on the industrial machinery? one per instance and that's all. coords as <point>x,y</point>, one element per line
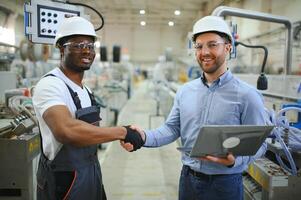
<point>43,17</point>
<point>19,137</point>
<point>277,176</point>
<point>20,147</point>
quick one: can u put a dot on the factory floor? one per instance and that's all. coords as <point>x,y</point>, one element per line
<point>149,173</point>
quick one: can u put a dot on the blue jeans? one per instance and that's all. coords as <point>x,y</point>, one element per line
<point>210,187</point>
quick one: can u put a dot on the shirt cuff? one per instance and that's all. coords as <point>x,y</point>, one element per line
<point>148,139</point>
<point>230,166</point>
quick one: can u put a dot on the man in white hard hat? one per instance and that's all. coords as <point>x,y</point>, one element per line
<point>216,98</point>
<point>68,116</point>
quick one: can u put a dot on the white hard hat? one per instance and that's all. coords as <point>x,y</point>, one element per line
<point>211,23</point>
<point>74,26</point>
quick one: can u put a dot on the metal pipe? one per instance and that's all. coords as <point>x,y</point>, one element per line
<point>229,11</point>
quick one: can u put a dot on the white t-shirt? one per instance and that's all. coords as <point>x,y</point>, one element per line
<point>51,91</point>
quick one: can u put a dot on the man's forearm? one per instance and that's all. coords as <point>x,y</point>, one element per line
<point>80,134</point>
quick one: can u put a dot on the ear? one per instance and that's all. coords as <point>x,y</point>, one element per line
<point>228,47</point>
<point>61,49</point>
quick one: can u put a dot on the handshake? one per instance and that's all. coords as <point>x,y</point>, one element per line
<point>134,138</point>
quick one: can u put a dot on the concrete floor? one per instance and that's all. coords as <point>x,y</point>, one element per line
<point>147,174</point>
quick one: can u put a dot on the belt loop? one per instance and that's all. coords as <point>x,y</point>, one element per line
<point>186,170</point>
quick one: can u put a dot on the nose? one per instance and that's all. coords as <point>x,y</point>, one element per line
<point>86,49</point>
<point>205,49</point>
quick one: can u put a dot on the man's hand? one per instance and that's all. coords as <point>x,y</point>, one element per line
<point>133,139</point>
<point>129,146</point>
<point>229,160</point>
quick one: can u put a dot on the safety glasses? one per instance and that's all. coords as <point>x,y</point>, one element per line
<point>210,45</point>
<point>80,46</point>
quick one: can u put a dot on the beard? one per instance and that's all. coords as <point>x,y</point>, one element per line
<point>77,68</point>
<point>214,67</point>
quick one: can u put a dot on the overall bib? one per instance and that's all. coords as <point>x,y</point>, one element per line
<point>74,173</point>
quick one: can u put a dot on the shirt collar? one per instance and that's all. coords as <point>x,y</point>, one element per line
<point>224,78</point>
<point>203,79</point>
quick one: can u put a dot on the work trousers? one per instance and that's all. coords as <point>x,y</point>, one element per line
<point>198,186</point>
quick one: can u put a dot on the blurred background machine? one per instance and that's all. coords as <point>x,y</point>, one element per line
<point>19,136</point>
<point>19,157</point>
<point>20,146</point>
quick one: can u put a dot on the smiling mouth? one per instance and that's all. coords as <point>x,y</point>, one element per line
<point>86,60</point>
<point>207,60</point>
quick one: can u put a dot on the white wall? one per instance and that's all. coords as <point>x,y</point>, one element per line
<point>288,8</point>
<point>274,40</point>
<point>144,44</point>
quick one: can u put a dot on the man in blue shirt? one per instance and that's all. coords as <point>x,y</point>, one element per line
<point>216,98</point>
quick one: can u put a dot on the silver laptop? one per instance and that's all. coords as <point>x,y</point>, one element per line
<point>218,140</point>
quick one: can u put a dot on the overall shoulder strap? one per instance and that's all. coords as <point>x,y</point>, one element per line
<point>74,95</point>
<point>92,97</point>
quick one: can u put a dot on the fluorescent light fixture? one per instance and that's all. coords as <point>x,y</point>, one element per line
<point>142,23</point>
<point>177,12</point>
<point>7,36</point>
<point>171,23</point>
<point>142,12</point>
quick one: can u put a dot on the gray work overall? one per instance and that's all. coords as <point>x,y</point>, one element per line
<point>75,173</point>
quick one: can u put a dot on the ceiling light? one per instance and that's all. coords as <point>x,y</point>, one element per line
<point>142,23</point>
<point>177,12</point>
<point>171,23</point>
<point>142,12</point>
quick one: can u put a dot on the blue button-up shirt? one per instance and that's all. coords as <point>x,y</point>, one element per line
<point>227,101</point>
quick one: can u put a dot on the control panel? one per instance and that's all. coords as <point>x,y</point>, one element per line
<point>42,18</point>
